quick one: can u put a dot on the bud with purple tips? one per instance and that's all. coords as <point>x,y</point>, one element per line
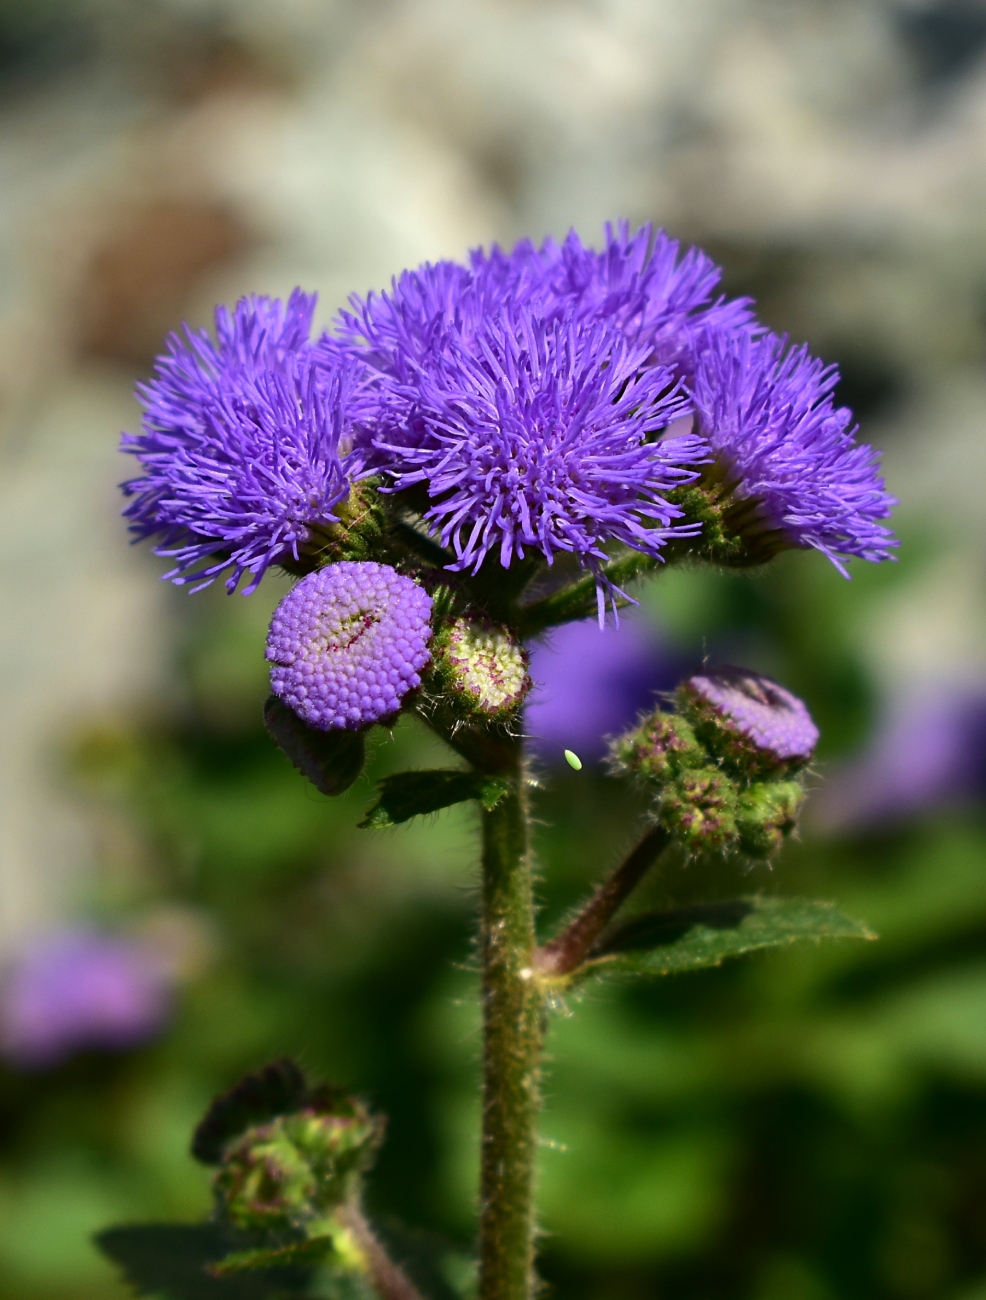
<point>348,643</point>
<point>750,722</point>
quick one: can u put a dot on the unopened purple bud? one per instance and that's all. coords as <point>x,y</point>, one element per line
<point>348,643</point>
<point>749,721</point>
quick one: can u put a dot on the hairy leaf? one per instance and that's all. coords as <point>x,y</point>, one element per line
<point>410,794</point>
<point>705,934</point>
<point>171,1262</point>
<point>331,760</point>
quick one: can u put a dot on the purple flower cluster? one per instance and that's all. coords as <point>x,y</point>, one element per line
<point>243,444</point>
<point>348,643</point>
<point>521,402</point>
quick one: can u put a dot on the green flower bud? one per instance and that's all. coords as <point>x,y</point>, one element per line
<point>482,667</point>
<point>663,745</point>
<point>295,1168</point>
<point>766,814</point>
<point>699,808</point>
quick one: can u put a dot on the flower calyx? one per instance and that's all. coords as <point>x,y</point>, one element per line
<point>356,533</point>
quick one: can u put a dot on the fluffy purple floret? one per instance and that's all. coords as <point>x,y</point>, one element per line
<point>348,643</point>
<point>537,436</point>
<point>640,282</point>
<point>758,710</point>
<point>243,444</point>
<point>767,412</point>
<point>75,989</point>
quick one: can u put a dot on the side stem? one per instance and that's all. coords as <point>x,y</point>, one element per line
<point>387,1278</point>
<point>512,1038</point>
<point>570,948</point>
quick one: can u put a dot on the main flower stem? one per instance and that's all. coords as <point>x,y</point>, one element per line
<point>512,1038</point>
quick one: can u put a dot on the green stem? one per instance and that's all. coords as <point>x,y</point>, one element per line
<point>512,1039</point>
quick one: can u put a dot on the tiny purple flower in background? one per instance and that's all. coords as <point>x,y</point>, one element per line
<point>591,683</point>
<point>348,643</point>
<point>756,711</point>
<point>929,752</point>
<point>538,437</point>
<point>767,412</point>
<point>76,989</point>
<point>244,443</point>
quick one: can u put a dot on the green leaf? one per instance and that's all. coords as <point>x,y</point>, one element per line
<point>331,760</point>
<point>312,1251</point>
<point>171,1262</point>
<point>705,934</point>
<point>411,794</point>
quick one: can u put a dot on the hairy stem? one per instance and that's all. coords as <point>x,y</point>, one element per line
<point>512,1036</point>
<point>569,949</point>
<point>388,1279</point>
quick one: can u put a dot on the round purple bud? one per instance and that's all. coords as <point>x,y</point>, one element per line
<point>749,721</point>
<point>348,643</point>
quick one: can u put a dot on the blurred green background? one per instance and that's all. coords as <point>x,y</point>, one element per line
<point>808,1125</point>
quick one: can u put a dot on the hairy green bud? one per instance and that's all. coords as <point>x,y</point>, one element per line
<point>661,747</point>
<point>766,814</point>
<point>481,668</point>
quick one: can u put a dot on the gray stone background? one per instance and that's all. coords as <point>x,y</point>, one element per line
<point>156,157</point>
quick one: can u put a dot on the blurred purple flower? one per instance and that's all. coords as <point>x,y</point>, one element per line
<point>930,752</point>
<point>591,682</point>
<point>76,989</point>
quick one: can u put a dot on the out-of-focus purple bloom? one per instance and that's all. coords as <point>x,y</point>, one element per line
<point>591,683</point>
<point>77,989</point>
<point>755,711</point>
<point>929,752</point>
<point>347,644</point>
<point>767,412</point>
<point>244,443</point>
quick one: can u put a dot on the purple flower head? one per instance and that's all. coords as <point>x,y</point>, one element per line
<point>767,412</point>
<point>244,444</point>
<point>749,718</point>
<point>537,436</point>
<point>348,643</point>
<point>77,989</point>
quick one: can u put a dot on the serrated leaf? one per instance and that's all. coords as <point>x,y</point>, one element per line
<point>706,934</point>
<point>331,760</point>
<point>171,1262</point>
<point>412,794</point>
